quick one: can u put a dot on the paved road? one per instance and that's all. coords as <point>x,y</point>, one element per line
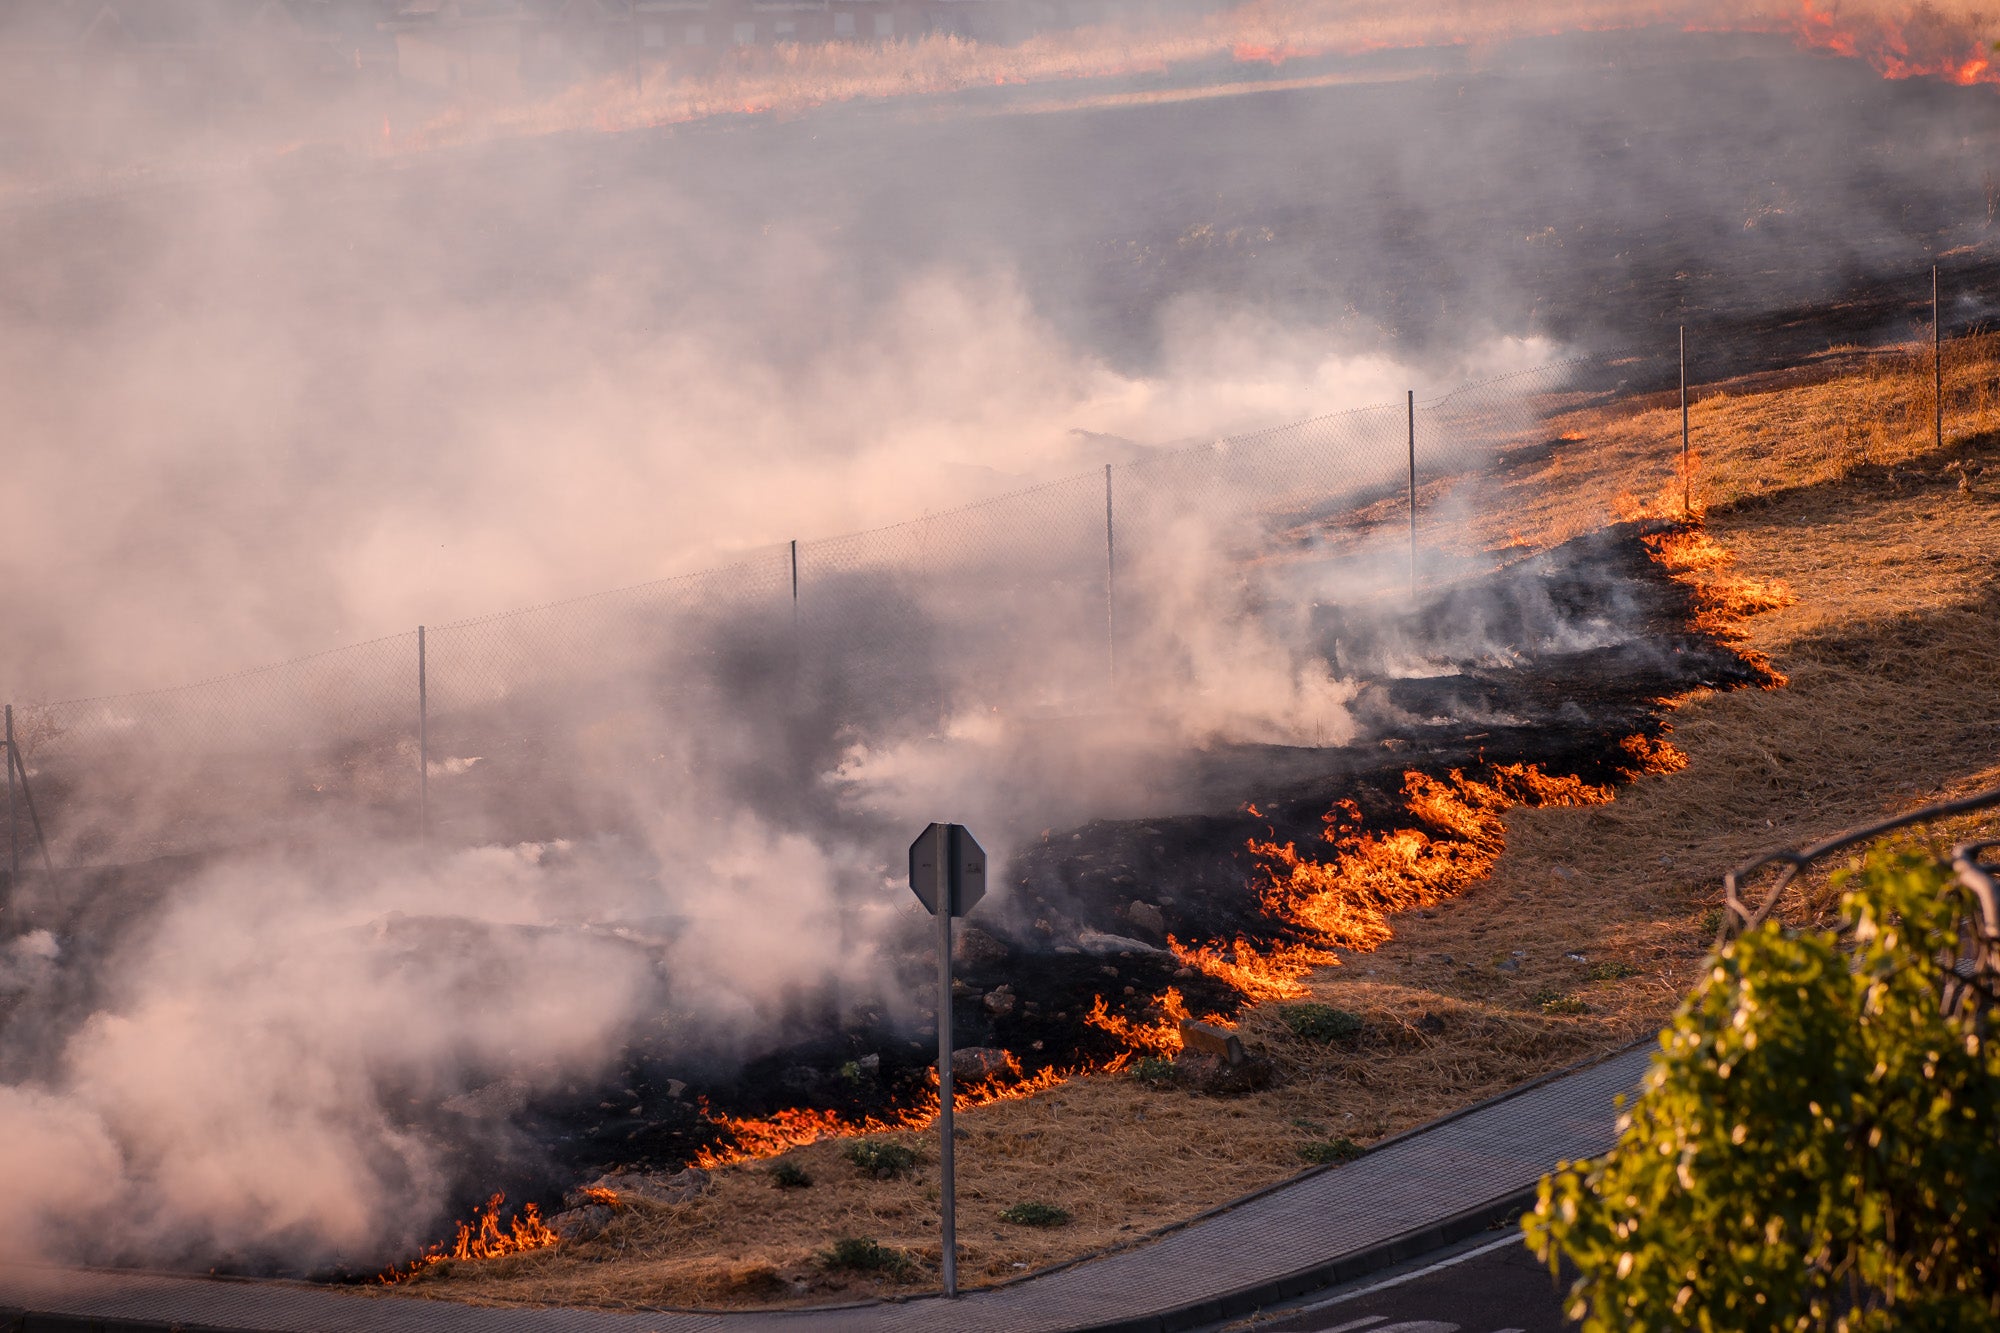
<point>1488,1284</point>
<point>1405,1199</point>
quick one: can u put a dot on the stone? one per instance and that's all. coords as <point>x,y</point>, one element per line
<point>496,1101</point>
<point>675,1088</point>
<point>1198,1038</point>
<point>1214,1076</point>
<point>870,1065</point>
<point>1104,946</point>
<point>976,948</point>
<point>1147,918</point>
<point>620,1189</point>
<point>973,1063</point>
<point>575,1224</point>
<point>999,1002</point>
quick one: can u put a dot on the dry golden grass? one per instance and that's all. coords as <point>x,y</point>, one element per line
<point>1890,649</point>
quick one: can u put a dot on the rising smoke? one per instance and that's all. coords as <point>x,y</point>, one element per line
<point>262,410</point>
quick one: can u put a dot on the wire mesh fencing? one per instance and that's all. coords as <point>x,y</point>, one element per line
<point>1054,598</point>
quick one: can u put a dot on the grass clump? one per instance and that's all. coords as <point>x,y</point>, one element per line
<point>1330,1152</point>
<point>884,1161</point>
<point>864,1254</point>
<point>1558,1002</point>
<point>1320,1022</point>
<point>1153,1071</point>
<point>1036,1215</point>
<point>790,1176</point>
<point>1612,971</point>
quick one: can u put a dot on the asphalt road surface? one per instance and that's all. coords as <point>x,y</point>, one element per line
<point>1490,1284</point>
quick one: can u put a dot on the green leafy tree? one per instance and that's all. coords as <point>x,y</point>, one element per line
<point>1817,1145</point>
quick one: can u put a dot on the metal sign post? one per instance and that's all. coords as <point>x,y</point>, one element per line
<point>948,875</point>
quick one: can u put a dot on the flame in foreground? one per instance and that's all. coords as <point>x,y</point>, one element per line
<point>481,1238</point>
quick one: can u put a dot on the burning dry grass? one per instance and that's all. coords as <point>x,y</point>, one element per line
<point>1587,926</point>
<point>1945,40</point>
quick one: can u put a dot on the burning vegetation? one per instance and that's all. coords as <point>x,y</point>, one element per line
<point>1087,973</point>
<point>482,1238</point>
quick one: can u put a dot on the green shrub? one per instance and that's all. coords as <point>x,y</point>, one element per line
<point>862,1254</point>
<point>881,1159</point>
<point>1331,1151</point>
<point>1320,1022</point>
<point>790,1176</point>
<point>1711,922</point>
<point>1153,1071</point>
<point>1612,971</point>
<point>1036,1215</point>
<point>1813,1145</point>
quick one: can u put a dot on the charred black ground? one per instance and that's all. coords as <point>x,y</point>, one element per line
<point>1069,931</point>
<point>1558,659</point>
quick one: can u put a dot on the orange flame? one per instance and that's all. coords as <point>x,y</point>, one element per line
<point>1914,42</point>
<point>752,1139</point>
<point>1723,601</point>
<point>1345,902</point>
<point>481,1238</point>
<point>1652,755</point>
<point>1276,973</point>
<point>1162,1036</point>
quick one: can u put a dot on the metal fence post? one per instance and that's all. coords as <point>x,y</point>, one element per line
<point>1687,482</point>
<point>1937,362</point>
<point>798,647</point>
<point>423,741</point>
<point>13,823</point>
<point>18,769</point>
<point>1110,588</point>
<point>1413,493</point>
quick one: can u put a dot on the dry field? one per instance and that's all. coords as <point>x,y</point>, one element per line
<point>1581,940</point>
<point>1941,37</point>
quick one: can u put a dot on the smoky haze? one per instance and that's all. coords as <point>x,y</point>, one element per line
<point>257,411</point>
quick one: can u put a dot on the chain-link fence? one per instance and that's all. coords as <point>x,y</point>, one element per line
<point>1055,598</point>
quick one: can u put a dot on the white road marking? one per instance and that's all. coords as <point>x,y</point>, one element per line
<point>1511,1238</point>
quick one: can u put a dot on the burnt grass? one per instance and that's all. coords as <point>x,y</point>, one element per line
<point>1069,932</point>
<point>1564,655</point>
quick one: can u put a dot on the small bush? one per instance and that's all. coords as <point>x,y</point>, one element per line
<point>1556,1002</point>
<point>1330,1151</point>
<point>1612,971</point>
<point>882,1160</point>
<point>1711,922</point>
<point>1036,1215</point>
<point>1153,1071</point>
<point>1320,1022</point>
<point>790,1176</point>
<point>863,1254</point>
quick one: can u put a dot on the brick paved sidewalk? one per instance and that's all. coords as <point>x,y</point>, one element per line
<point>1409,1195</point>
